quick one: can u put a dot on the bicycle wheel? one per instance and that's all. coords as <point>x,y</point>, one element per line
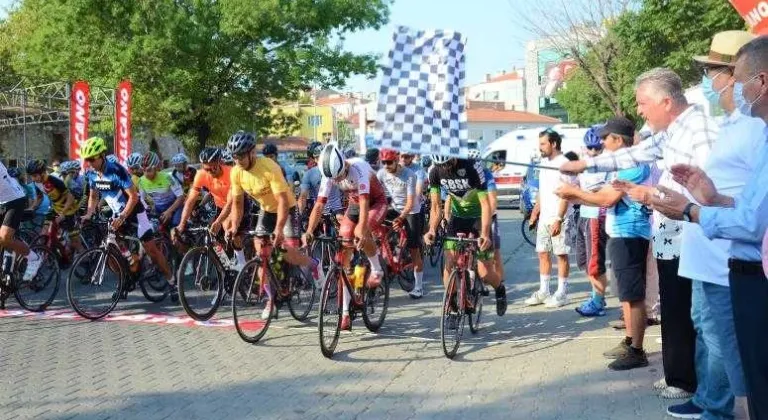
<point>201,283</point>
<point>375,303</point>
<point>250,302</point>
<point>329,319</point>
<point>154,277</point>
<point>436,251</point>
<point>303,293</point>
<point>405,276</point>
<point>476,297</point>
<point>35,295</point>
<point>527,233</point>
<point>452,321</point>
<point>95,282</point>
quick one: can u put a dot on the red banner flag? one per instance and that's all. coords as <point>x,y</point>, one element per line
<point>755,13</point>
<point>123,121</point>
<point>79,113</point>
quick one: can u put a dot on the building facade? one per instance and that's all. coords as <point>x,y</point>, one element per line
<point>486,125</point>
<point>545,71</point>
<point>507,88</point>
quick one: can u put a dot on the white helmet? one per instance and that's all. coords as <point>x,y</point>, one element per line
<point>331,162</point>
<point>440,159</point>
<point>473,154</point>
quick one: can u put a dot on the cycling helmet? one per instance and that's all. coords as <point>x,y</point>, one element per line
<point>331,161</point>
<point>179,159</point>
<point>14,172</point>
<point>389,154</point>
<point>134,160</point>
<point>36,166</point>
<point>150,160</point>
<point>591,138</point>
<point>473,154</point>
<point>349,153</point>
<point>372,156</point>
<point>314,149</point>
<point>426,161</point>
<point>439,159</point>
<point>210,155</point>
<point>241,142</point>
<point>71,166</point>
<point>65,167</point>
<point>269,149</point>
<point>226,157</point>
<point>93,147</point>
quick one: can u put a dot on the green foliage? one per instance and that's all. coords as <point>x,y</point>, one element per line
<point>584,103</point>
<point>200,68</point>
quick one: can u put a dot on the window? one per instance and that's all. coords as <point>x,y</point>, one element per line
<point>492,96</point>
<point>498,133</point>
<point>315,120</point>
<point>476,135</point>
<point>499,156</point>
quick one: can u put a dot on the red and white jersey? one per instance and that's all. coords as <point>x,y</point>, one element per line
<point>360,180</point>
<point>10,189</point>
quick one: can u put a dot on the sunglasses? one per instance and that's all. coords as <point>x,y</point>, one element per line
<point>594,147</point>
<point>387,162</point>
<point>240,155</point>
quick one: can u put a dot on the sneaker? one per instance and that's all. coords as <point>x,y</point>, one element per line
<point>674,393</point>
<point>557,300</point>
<point>501,300</point>
<point>633,359</point>
<point>374,280</point>
<point>686,410</point>
<point>537,298</point>
<point>660,385</point>
<point>33,265</point>
<point>592,307</point>
<point>267,312</point>
<point>618,351</point>
<point>346,323</point>
<point>416,293</point>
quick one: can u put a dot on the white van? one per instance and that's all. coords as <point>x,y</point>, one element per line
<point>522,146</point>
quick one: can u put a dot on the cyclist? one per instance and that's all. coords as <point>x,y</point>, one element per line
<point>226,158</point>
<point>400,184</point>
<point>310,184</point>
<point>313,152</point>
<point>183,173</point>
<point>162,189</point>
<point>215,178</point>
<point>133,163</point>
<point>466,185</point>
<point>111,180</point>
<point>372,157</point>
<point>367,208</point>
<point>261,179</point>
<point>63,204</point>
<point>13,202</point>
<point>270,151</point>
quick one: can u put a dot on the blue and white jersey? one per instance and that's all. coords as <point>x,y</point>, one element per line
<point>112,185</point>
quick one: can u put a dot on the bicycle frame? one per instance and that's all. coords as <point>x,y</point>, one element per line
<point>464,261</point>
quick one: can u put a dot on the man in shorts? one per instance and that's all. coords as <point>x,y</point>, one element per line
<point>13,202</point>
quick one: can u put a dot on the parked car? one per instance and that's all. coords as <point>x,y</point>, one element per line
<point>529,188</point>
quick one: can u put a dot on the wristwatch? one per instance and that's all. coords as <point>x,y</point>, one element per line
<point>687,212</point>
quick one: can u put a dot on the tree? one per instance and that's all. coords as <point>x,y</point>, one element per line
<point>583,102</point>
<point>201,68</point>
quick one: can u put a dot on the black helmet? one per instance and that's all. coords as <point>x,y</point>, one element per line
<point>210,155</point>
<point>241,142</point>
<point>35,166</point>
<point>14,172</point>
<point>372,156</point>
<point>314,149</point>
<point>269,149</point>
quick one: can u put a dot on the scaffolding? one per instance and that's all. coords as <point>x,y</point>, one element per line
<point>23,104</point>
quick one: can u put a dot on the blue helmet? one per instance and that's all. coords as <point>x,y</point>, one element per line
<point>592,138</point>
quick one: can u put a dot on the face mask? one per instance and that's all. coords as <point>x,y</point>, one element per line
<point>741,102</point>
<point>708,90</point>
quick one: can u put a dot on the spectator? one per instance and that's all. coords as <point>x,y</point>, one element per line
<point>372,157</point>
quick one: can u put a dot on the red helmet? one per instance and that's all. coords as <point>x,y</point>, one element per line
<point>389,154</point>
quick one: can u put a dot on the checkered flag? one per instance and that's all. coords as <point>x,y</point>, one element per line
<point>421,101</point>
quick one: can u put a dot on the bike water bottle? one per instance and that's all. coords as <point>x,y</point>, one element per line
<point>359,276</point>
<point>219,250</point>
<point>8,257</point>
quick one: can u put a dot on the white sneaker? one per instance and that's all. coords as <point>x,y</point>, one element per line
<point>557,300</point>
<point>267,312</point>
<point>33,265</point>
<point>416,293</point>
<point>660,385</point>
<point>537,298</point>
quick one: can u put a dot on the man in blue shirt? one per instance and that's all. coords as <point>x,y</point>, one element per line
<point>742,219</point>
<point>629,229</point>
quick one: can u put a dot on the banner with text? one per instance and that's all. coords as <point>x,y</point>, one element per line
<point>123,121</point>
<point>755,13</point>
<point>79,114</point>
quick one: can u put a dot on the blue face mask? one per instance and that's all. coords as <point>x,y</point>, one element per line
<point>708,89</point>
<point>744,106</point>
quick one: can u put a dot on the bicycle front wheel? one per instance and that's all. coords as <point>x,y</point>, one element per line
<point>201,283</point>
<point>303,293</point>
<point>95,282</point>
<point>476,297</point>
<point>251,304</point>
<point>528,235</point>
<point>329,319</point>
<point>452,321</point>
<point>35,295</point>
<point>375,305</point>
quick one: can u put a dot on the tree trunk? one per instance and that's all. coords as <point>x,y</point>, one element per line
<point>203,133</point>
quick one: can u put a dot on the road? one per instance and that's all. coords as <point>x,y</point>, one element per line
<point>533,363</point>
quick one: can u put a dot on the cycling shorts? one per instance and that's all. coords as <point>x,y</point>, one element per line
<point>414,224</point>
<point>267,222</point>
<point>467,226</point>
<point>11,213</point>
<point>376,215</point>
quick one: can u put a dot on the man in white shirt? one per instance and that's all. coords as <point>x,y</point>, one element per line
<point>550,212</point>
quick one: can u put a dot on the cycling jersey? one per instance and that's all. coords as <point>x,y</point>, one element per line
<point>112,185</point>
<point>465,182</point>
<point>75,184</point>
<point>218,187</point>
<point>310,183</point>
<point>186,178</point>
<point>421,179</point>
<point>163,190</point>
<point>263,182</point>
<point>10,189</point>
<point>359,181</point>
<point>57,192</point>
<point>32,191</point>
<point>399,186</point>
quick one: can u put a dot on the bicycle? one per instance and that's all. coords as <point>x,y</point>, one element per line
<point>371,304</point>
<point>103,275</point>
<point>435,251</point>
<point>59,243</point>
<point>527,231</point>
<point>33,295</point>
<point>252,296</point>
<point>463,298</point>
<point>324,251</point>
<point>393,244</point>
<point>206,275</point>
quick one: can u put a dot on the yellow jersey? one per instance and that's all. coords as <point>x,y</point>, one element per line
<point>262,182</point>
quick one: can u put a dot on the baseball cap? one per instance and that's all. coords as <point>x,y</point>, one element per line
<point>619,125</point>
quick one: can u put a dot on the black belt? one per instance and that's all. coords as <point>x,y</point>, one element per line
<point>749,268</point>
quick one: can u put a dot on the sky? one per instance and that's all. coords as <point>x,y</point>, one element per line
<point>495,41</point>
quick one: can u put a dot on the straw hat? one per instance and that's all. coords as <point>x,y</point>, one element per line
<point>724,47</point>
